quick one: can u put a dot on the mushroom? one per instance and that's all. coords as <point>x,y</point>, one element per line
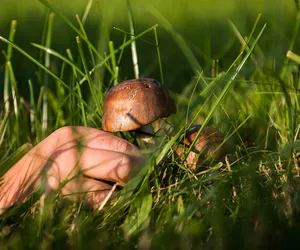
<point>209,146</point>
<point>135,104</point>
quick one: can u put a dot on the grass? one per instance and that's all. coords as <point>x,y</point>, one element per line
<point>249,202</point>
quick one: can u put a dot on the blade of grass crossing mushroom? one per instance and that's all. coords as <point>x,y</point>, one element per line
<point>6,73</point>
<point>167,146</point>
<point>226,89</point>
<point>133,44</point>
<point>223,109</point>
<point>190,100</point>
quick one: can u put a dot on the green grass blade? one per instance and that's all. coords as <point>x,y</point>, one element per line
<point>56,54</point>
<point>226,88</point>
<point>245,43</point>
<point>82,36</point>
<point>97,99</point>
<point>13,89</point>
<point>240,37</point>
<point>69,53</point>
<point>138,215</point>
<point>87,11</point>
<point>88,44</point>
<point>3,127</point>
<point>158,56</point>
<point>119,49</point>
<point>14,158</point>
<point>43,68</point>
<point>122,50</point>
<point>113,62</point>
<point>33,111</point>
<point>46,76</point>
<point>178,39</point>
<point>133,44</point>
<point>6,73</point>
<point>293,56</point>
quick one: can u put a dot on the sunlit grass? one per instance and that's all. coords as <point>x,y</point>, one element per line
<point>248,201</point>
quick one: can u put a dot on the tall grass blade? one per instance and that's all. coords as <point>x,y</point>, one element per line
<point>87,11</point>
<point>245,43</point>
<point>6,73</point>
<point>158,56</point>
<point>98,101</point>
<point>133,44</point>
<point>293,56</point>
<point>178,39</point>
<point>42,67</point>
<point>69,53</point>
<point>3,127</point>
<point>56,54</point>
<point>138,216</point>
<point>226,88</point>
<point>46,76</point>
<point>119,49</point>
<point>292,41</point>
<point>14,158</point>
<point>113,62</point>
<point>82,36</point>
<point>13,89</point>
<point>88,44</point>
<point>32,116</point>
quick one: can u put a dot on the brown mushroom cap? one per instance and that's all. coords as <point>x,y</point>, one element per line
<point>135,103</point>
<point>208,144</point>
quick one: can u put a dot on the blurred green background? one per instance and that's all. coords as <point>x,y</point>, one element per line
<point>258,112</point>
<point>204,24</point>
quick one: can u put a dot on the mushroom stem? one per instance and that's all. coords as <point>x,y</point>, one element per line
<point>147,129</point>
<point>146,134</point>
<point>158,128</point>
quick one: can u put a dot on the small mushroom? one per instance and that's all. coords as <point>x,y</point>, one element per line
<point>135,104</point>
<point>209,146</point>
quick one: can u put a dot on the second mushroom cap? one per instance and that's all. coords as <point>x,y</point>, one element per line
<point>210,144</point>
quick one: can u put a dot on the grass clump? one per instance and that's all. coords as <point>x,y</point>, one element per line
<point>249,201</point>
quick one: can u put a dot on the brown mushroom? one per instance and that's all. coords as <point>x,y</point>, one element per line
<point>134,104</point>
<point>209,146</point>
